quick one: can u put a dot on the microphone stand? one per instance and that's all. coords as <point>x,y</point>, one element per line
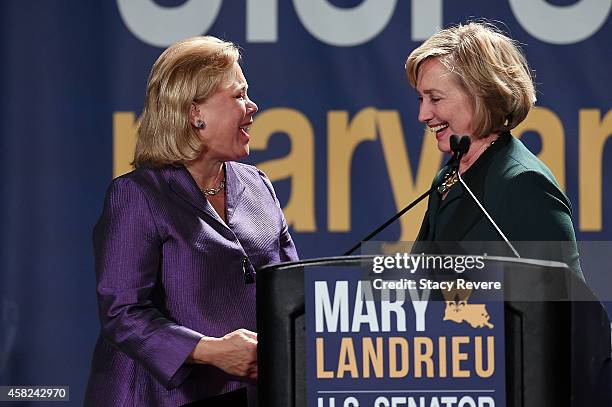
<point>491,221</point>
<point>459,146</point>
<point>392,219</point>
<point>454,163</point>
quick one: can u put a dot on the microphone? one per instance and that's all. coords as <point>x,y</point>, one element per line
<point>454,143</point>
<point>460,146</point>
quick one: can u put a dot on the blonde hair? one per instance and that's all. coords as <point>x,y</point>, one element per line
<point>490,66</point>
<point>189,70</point>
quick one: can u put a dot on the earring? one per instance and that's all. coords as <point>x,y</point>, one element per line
<point>507,121</point>
<point>200,124</point>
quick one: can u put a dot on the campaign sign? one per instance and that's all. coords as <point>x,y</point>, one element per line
<point>423,340</point>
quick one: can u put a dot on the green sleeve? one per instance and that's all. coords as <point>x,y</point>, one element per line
<point>536,211</point>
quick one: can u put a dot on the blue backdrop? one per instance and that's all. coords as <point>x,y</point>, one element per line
<point>336,132</point>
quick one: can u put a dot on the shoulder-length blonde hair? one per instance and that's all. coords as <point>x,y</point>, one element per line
<point>490,66</point>
<point>189,70</point>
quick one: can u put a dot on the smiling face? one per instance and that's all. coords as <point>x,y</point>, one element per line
<point>444,105</point>
<point>227,114</point>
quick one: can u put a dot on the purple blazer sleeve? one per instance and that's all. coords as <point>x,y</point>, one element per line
<point>127,251</point>
<point>288,252</point>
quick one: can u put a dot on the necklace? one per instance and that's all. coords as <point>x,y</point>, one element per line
<point>215,190</point>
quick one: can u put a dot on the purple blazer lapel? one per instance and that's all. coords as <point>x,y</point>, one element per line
<point>234,188</point>
<point>183,184</point>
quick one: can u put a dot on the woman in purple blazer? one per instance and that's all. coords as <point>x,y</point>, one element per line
<point>179,240</point>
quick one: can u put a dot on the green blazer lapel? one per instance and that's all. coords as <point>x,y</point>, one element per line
<point>467,213</point>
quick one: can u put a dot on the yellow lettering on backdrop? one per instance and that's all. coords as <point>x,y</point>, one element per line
<point>342,140</point>
<point>594,132</point>
<point>547,124</point>
<point>124,142</point>
<point>297,165</point>
<point>345,135</point>
<point>406,187</point>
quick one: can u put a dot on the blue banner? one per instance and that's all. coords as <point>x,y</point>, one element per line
<point>336,132</point>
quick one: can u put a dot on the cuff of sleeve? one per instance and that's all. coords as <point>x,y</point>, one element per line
<point>179,343</point>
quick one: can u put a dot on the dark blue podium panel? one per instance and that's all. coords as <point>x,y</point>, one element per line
<point>334,333</point>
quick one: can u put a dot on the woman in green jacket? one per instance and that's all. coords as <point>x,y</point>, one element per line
<point>473,80</point>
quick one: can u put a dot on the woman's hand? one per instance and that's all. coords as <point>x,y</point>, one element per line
<point>235,353</point>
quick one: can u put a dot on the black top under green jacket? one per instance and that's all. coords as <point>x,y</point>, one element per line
<point>521,195</point>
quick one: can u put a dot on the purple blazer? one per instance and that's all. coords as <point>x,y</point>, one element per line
<point>169,271</point>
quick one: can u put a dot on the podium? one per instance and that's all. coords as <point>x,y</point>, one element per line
<point>557,334</point>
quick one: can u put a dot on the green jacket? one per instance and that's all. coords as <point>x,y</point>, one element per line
<point>521,195</point>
